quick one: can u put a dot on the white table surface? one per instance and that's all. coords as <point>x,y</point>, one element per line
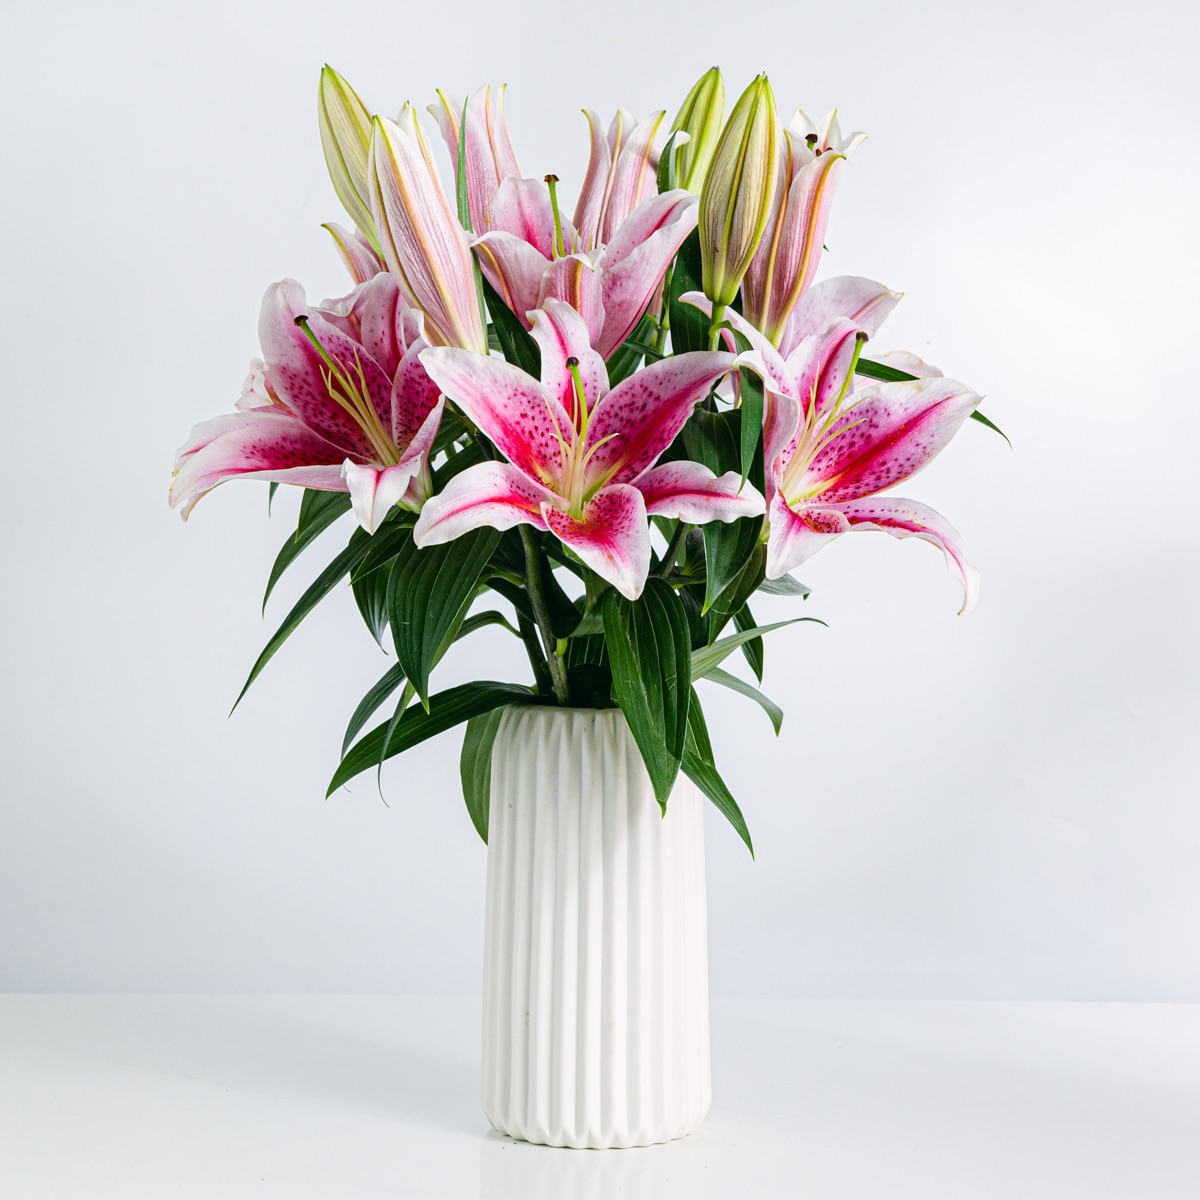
<point>359,1097</point>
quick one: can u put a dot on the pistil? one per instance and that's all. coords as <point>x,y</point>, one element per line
<point>552,184</point>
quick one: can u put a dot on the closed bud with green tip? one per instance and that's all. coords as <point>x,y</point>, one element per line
<point>346,139</point>
<point>738,191</point>
<point>701,116</point>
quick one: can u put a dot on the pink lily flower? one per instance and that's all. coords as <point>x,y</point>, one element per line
<point>489,153</point>
<point>581,458</point>
<point>812,158</point>
<point>830,446</point>
<point>422,241</point>
<point>342,403</point>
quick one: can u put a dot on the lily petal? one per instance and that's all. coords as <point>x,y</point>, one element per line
<point>375,491</point>
<point>796,536</point>
<point>633,175</point>
<point>637,258</point>
<point>643,414</point>
<point>561,334</point>
<point>691,492</point>
<point>419,232</point>
<point>361,260</point>
<point>296,373</point>
<point>576,280</point>
<point>514,268</point>
<point>889,433</point>
<point>515,410</point>
<point>862,301</point>
<point>491,493</point>
<point>260,443</point>
<point>613,537</point>
<point>595,183</point>
<point>522,207</point>
<point>908,518</point>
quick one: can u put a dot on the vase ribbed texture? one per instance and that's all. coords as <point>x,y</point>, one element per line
<point>595,977</point>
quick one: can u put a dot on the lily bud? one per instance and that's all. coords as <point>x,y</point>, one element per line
<point>701,116</point>
<point>346,139</point>
<point>738,190</point>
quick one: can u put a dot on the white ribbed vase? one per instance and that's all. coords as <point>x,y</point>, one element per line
<point>595,953</point>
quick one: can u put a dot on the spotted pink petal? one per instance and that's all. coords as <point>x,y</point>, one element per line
<point>561,334</point>
<point>692,493</point>
<point>379,310</point>
<point>612,537</point>
<point>889,433</point>
<point>907,518</point>
<point>576,281</point>
<point>635,261</point>
<point>375,491</point>
<point>515,410</point>
<point>796,536</point>
<point>862,301</point>
<point>260,443</point>
<point>491,493</point>
<point>415,398</point>
<point>296,372</point>
<point>643,414</point>
<point>821,364</point>
<point>514,268</point>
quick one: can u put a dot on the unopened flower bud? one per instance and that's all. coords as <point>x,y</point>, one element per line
<point>346,139</point>
<point>701,116</point>
<point>738,191</point>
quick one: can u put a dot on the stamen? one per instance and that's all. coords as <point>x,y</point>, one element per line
<point>552,184</point>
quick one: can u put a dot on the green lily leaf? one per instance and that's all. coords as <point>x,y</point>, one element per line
<point>708,658</point>
<point>699,767</point>
<point>370,703</point>
<point>318,510</point>
<point>515,340</point>
<point>475,767</point>
<point>725,679</point>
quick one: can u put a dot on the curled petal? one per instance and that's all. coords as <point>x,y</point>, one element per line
<point>361,260</point>
<point>691,492</point>
<point>522,208</point>
<point>612,537</point>
<point>889,433</point>
<point>514,268</point>
<point>635,261</point>
<point>643,414</point>
<point>907,518</point>
<point>261,443</point>
<point>595,184</point>
<point>491,493</point>
<point>561,334</point>
<point>862,301</point>
<point>576,281</point>
<point>375,491</point>
<point>515,410</point>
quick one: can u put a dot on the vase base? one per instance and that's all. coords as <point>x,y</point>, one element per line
<point>602,1140</point>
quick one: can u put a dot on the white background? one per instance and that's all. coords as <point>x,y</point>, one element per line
<point>999,806</point>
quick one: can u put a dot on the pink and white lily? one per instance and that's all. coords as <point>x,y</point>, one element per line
<point>419,233</point>
<point>342,403</point>
<point>830,446</point>
<point>581,458</point>
<point>811,161</point>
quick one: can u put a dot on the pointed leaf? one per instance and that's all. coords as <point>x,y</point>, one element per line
<point>429,592</point>
<point>709,657</point>
<point>649,651</point>
<point>515,340</point>
<point>725,679</point>
<point>318,510</point>
<point>317,591</point>
<point>446,709</point>
<point>752,650</point>
<point>368,705</point>
<point>689,326</point>
<point>701,770</point>
<point>475,767</point>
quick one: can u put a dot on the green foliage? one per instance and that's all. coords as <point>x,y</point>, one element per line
<point>649,652</point>
<point>475,766</point>
<point>689,326</point>
<point>318,510</point>
<point>517,344</point>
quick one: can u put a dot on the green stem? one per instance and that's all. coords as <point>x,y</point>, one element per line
<point>673,549</point>
<point>537,660</point>
<point>535,582</point>
<point>663,327</point>
<point>714,334</point>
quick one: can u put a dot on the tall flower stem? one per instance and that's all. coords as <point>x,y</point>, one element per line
<point>672,551</point>
<point>537,659</point>
<point>535,581</point>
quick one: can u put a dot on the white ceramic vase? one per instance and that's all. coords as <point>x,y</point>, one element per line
<point>595,976</point>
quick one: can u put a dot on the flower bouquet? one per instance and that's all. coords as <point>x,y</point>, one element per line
<point>601,432</point>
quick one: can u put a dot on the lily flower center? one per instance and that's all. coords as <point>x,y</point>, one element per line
<point>347,387</point>
<point>574,485</point>
<point>816,432</point>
